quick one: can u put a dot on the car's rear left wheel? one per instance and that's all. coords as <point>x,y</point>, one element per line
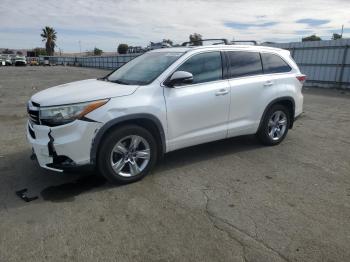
<point>274,126</point>
<point>127,154</point>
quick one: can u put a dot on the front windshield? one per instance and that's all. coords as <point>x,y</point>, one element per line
<point>144,69</point>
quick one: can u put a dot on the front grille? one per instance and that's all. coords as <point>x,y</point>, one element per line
<point>33,112</point>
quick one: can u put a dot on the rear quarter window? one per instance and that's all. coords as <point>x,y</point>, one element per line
<point>274,64</point>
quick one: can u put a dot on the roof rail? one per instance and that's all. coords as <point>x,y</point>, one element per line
<point>244,41</point>
<point>199,42</point>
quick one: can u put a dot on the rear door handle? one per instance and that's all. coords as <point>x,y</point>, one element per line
<point>268,83</point>
<point>221,92</point>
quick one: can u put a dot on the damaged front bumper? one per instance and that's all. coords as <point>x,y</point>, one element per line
<point>60,147</point>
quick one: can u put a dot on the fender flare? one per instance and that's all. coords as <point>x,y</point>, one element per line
<point>110,124</point>
<point>279,99</point>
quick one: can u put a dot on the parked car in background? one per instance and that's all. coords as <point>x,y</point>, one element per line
<point>135,49</point>
<point>46,61</point>
<point>159,45</point>
<point>162,101</point>
<point>7,58</point>
<point>2,61</point>
<point>34,61</point>
<point>20,61</point>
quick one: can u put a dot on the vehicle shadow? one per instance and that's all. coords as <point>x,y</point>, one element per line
<point>203,152</point>
<point>18,172</point>
<point>64,187</point>
<point>67,191</point>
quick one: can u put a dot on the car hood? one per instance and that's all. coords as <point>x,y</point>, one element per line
<point>81,91</point>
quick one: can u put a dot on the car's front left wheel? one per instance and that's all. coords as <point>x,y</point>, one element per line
<point>127,154</point>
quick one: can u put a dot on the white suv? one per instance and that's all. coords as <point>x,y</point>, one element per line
<point>164,100</point>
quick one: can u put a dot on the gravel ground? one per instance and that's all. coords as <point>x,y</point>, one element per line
<point>231,200</point>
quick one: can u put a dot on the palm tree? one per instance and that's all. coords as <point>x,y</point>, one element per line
<point>49,35</point>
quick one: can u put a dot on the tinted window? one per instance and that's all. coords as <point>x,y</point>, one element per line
<point>204,67</point>
<point>274,64</point>
<point>244,63</point>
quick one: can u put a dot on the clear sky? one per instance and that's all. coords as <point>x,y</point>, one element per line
<point>106,23</point>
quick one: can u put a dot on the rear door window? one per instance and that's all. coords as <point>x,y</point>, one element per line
<point>274,64</point>
<point>243,63</point>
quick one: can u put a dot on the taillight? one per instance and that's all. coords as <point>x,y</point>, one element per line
<point>301,78</point>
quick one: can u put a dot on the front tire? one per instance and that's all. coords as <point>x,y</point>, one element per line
<point>127,154</point>
<point>274,126</point>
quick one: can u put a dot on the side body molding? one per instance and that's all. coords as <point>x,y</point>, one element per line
<point>110,124</point>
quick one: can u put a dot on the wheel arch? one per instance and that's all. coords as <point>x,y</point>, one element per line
<point>287,101</point>
<point>147,121</point>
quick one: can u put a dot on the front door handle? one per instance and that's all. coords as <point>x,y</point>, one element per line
<point>221,92</point>
<point>268,83</point>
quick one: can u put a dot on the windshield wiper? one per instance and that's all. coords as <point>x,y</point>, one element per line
<point>119,82</point>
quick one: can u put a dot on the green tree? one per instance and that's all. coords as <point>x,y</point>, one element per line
<point>122,48</point>
<point>97,51</point>
<point>196,39</point>
<point>311,38</point>
<point>50,36</point>
<point>39,51</point>
<point>336,36</point>
<point>168,41</point>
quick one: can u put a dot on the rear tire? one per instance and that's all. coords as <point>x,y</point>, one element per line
<point>127,154</point>
<point>274,127</point>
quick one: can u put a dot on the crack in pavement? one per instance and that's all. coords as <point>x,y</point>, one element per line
<point>212,220</point>
<point>240,236</point>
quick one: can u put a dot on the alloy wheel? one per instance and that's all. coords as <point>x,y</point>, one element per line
<point>130,156</point>
<point>277,125</point>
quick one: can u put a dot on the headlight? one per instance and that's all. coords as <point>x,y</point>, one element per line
<point>60,115</point>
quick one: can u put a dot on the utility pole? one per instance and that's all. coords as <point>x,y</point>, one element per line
<point>342,30</point>
<point>80,47</point>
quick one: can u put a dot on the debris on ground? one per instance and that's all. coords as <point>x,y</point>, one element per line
<point>23,195</point>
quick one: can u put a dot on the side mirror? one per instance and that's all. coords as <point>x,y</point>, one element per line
<point>180,77</point>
